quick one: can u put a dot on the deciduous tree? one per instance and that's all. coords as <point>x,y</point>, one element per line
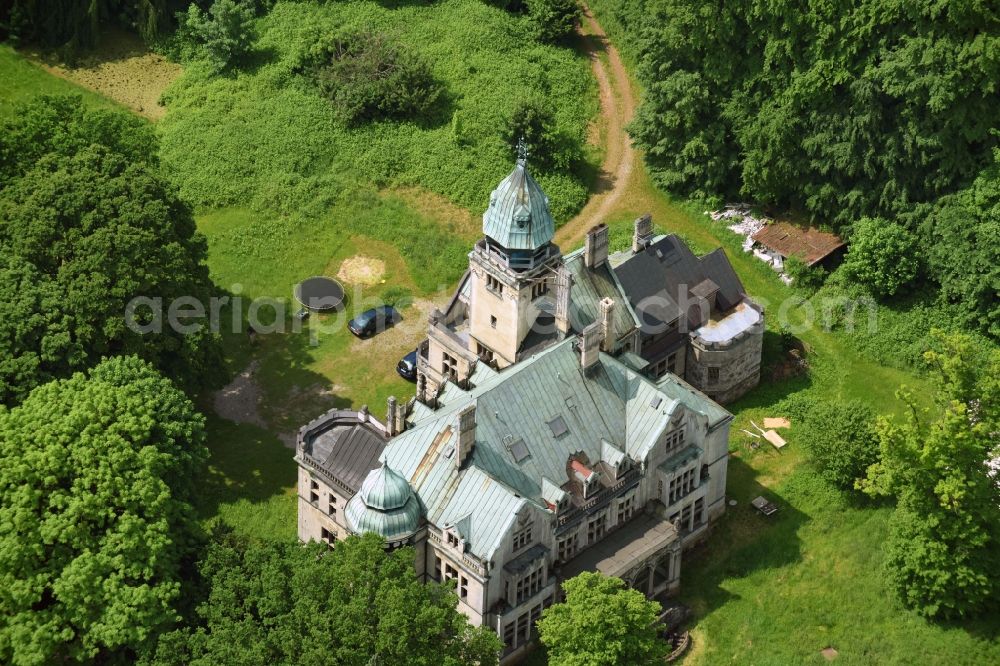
<point>602,623</point>
<point>96,475</point>
<point>944,546</point>
<point>840,440</point>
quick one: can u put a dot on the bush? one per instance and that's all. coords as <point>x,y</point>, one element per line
<point>225,32</point>
<point>840,441</point>
<point>554,20</point>
<point>883,256</point>
<point>810,277</point>
<point>533,120</point>
<point>369,76</point>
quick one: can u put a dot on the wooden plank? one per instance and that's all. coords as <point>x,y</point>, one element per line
<point>774,438</point>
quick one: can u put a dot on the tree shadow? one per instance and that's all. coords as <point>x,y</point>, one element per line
<point>742,542</point>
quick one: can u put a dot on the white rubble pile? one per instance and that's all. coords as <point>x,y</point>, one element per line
<point>744,223</point>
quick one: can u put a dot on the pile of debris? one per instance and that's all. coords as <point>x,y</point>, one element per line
<point>742,220</point>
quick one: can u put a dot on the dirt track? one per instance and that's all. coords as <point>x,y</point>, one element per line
<point>617,108</point>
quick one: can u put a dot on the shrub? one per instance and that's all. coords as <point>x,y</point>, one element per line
<point>225,32</point>
<point>554,20</point>
<point>369,76</point>
<point>810,277</point>
<point>533,120</point>
<point>840,440</point>
<point>883,256</point>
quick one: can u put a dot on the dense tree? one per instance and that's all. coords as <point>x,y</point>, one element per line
<point>883,256</point>
<point>83,230</point>
<point>285,603</point>
<point>602,623</point>
<point>840,440</point>
<point>77,24</point>
<point>963,249</point>
<point>368,75</point>
<point>846,111</point>
<point>96,474</point>
<point>943,549</point>
<point>224,33</point>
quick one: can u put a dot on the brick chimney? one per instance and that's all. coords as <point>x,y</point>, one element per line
<point>564,282</point>
<point>595,251</point>
<point>607,306</point>
<point>590,346</point>
<point>466,434</point>
<point>643,233</point>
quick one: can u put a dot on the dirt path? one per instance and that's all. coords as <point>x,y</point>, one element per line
<point>618,104</point>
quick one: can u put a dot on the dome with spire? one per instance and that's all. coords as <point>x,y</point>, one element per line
<point>385,505</point>
<point>518,217</point>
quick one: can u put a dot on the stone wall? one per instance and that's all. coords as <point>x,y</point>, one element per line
<point>737,362</point>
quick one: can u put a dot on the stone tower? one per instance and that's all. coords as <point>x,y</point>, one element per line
<point>513,269</point>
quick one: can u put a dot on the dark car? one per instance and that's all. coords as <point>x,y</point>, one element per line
<point>407,366</point>
<point>374,321</point>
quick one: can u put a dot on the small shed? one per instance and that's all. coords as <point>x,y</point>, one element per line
<point>778,241</point>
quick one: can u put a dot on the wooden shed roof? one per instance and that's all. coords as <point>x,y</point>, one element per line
<point>807,243</point>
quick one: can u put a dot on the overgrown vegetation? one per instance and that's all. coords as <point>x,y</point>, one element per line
<point>840,440</point>
<point>880,109</point>
<point>257,137</point>
<point>222,34</point>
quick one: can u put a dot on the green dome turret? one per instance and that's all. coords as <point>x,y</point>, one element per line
<point>385,505</point>
<point>518,216</point>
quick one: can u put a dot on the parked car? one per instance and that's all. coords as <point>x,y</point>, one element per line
<point>373,321</point>
<point>407,366</point>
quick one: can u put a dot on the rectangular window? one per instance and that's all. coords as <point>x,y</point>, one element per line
<point>449,366</point>
<point>699,511</point>
<point>566,548</point>
<point>331,505</point>
<point>523,623</point>
<point>313,492</point>
<point>674,439</point>
<point>713,375</point>
<point>522,538</point>
<point>452,540</point>
<point>450,572</point>
<point>493,321</point>
<point>494,285</point>
<point>463,587</point>
<point>326,536</point>
<point>626,507</point>
<point>528,585</point>
<point>680,486</point>
<point>595,529</point>
<point>508,635</point>
<point>437,568</point>
<point>672,363</point>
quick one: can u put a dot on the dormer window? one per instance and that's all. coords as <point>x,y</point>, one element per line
<point>452,540</point>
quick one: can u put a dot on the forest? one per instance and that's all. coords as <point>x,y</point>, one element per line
<point>836,113</point>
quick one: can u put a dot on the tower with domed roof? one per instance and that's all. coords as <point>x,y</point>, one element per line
<point>513,270</point>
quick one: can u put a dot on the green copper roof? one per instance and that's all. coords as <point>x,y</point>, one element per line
<point>385,505</point>
<point>518,217</point>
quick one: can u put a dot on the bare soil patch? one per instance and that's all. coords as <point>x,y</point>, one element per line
<point>394,343</point>
<point>239,401</point>
<point>618,104</point>
<point>123,69</point>
<point>362,270</point>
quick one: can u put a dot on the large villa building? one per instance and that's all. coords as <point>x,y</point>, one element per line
<point>567,418</point>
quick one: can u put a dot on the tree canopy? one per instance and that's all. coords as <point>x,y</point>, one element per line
<point>96,475</point>
<point>357,604</point>
<point>943,550</point>
<point>883,256</point>
<point>602,623</point>
<point>78,24</point>
<point>87,223</point>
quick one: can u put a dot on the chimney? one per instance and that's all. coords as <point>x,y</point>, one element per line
<point>595,251</point>
<point>466,434</point>
<point>564,283</point>
<point>643,233</point>
<point>590,346</point>
<point>607,306</point>
<point>401,412</point>
<point>390,417</point>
